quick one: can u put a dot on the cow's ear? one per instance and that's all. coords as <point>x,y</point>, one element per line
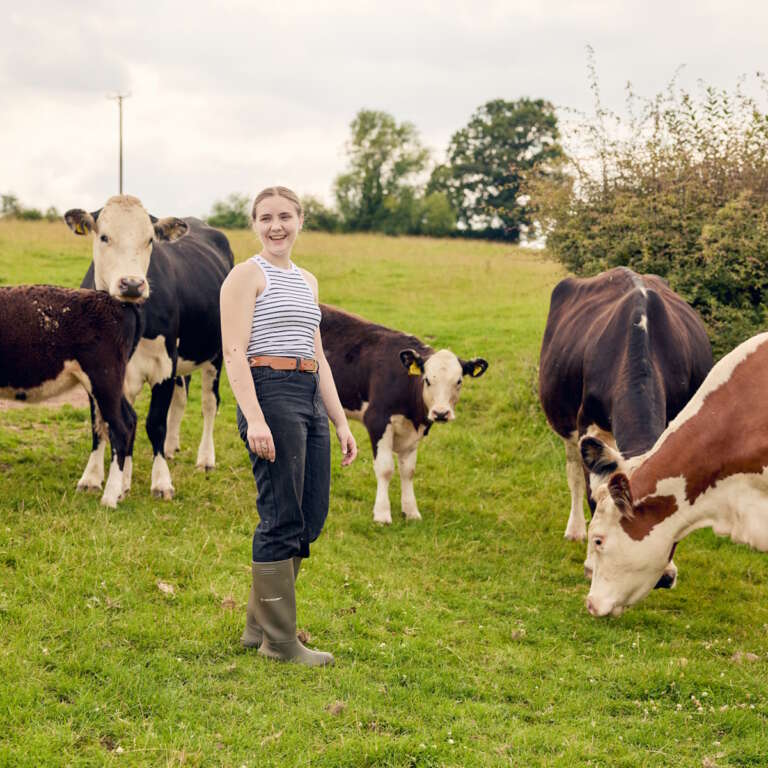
<point>474,368</point>
<point>618,487</point>
<point>598,458</point>
<point>412,361</point>
<point>81,222</point>
<point>170,228</point>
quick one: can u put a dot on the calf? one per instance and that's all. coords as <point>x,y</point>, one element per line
<point>708,469</point>
<point>621,355</point>
<point>398,387</point>
<point>52,339</point>
<point>175,268</point>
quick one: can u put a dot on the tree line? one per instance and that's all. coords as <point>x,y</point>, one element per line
<point>391,184</point>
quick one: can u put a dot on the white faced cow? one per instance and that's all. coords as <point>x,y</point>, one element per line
<point>53,339</point>
<point>708,469</point>
<point>174,268</point>
<point>398,387</point>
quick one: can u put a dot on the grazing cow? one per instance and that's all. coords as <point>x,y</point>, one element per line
<point>621,355</point>
<point>397,386</point>
<point>136,257</point>
<point>52,339</point>
<point>708,469</point>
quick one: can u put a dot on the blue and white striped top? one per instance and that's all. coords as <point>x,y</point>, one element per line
<point>285,314</point>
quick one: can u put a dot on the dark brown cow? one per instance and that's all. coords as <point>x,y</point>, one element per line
<point>52,339</point>
<point>622,354</point>
<point>709,469</point>
<point>398,387</point>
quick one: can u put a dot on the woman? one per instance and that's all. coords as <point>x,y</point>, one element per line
<point>285,393</point>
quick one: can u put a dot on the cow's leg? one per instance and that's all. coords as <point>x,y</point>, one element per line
<point>121,419</point>
<point>206,456</point>
<point>574,470</point>
<point>131,388</point>
<point>157,419</point>
<point>175,413</point>
<point>407,463</point>
<point>383,466</point>
<point>93,474</point>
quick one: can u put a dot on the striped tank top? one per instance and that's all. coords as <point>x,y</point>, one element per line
<point>285,314</point>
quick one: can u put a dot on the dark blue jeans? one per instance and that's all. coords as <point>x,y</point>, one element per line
<point>293,492</point>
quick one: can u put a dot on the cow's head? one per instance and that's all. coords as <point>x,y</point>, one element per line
<point>123,236</point>
<point>442,374</point>
<point>624,569</point>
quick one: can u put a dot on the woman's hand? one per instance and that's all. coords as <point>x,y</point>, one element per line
<point>260,440</point>
<point>348,444</point>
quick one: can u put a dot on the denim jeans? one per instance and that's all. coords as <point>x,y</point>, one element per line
<point>293,492</point>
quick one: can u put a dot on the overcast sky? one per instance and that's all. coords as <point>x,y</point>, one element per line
<point>240,95</point>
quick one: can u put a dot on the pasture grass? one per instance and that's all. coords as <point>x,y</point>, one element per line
<point>459,641</point>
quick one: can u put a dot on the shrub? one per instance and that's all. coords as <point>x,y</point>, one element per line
<point>232,213</point>
<point>318,217</point>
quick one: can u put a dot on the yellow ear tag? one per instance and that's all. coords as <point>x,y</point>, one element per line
<point>477,370</point>
<point>81,230</point>
<point>414,370</point>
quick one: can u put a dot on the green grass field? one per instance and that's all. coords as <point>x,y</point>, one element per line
<point>461,640</point>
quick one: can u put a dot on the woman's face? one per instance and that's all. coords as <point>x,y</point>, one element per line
<point>277,224</point>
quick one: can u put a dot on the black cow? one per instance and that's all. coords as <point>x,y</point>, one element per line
<point>178,289</point>
<point>622,354</point>
<point>398,387</point>
<point>52,339</point>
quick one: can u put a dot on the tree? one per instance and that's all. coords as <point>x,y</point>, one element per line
<point>232,213</point>
<point>318,217</point>
<point>503,141</point>
<point>384,160</point>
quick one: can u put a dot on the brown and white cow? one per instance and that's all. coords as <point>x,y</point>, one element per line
<point>174,268</point>
<point>398,387</point>
<point>53,339</point>
<point>621,355</point>
<point>708,469</point>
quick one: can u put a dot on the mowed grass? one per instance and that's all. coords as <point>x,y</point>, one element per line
<point>461,640</point>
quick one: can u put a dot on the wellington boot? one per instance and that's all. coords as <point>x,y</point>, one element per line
<point>275,603</point>
<point>253,633</point>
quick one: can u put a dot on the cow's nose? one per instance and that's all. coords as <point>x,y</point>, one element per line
<point>442,415</point>
<point>131,287</point>
<point>591,607</point>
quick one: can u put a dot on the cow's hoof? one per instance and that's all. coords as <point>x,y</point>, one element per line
<point>383,519</point>
<point>88,487</point>
<point>109,502</point>
<point>206,467</point>
<point>412,514</point>
<point>163,493</point>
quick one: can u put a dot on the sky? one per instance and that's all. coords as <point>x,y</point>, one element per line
<point>236,96</point>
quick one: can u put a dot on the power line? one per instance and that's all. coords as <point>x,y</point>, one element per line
<point>118,97</point>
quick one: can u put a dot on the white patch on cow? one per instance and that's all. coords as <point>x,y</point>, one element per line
<point>358,414</point>
<point>576,530</point>
<point>717,377</point>
<point>173,424</point>
<point>93,474</point>
<point>162,487</point>
<point>643,323</point>
<point>113,490</point>
<point>127,474</point>
<point>150,362</point>
<point>405,444</point>
<point>384,467</point>
<point>70,376</point>
<point>185,367</point>
<point>442,385</point>
<point>206,455</point>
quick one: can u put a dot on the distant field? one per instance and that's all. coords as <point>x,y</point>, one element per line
<point>460,641</point>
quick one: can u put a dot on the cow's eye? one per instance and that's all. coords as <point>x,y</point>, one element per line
<point>459,383</point>
<point>104,239</point>
<point>598,541</point>
<point>427,382</point>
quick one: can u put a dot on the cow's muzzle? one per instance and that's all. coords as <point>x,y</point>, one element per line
<point>132,287</point>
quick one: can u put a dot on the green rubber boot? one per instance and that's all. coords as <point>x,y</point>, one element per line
<point>253,633</point>
<point>275,604</point>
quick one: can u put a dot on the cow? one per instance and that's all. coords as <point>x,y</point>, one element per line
<point>175,268</point>
<point>621,355</point>
<point>398,387</point>
<point>708,469</point>
<point>53,339</point>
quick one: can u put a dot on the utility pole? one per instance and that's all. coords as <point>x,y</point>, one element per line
<point>119,99</point>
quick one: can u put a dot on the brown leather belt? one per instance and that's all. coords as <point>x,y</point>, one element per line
<point>283,363</point>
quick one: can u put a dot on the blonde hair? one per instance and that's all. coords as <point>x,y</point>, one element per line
<point>288,194</point>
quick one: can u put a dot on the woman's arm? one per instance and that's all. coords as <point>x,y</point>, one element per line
<point>238,294</point>
<point>329,394</point>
